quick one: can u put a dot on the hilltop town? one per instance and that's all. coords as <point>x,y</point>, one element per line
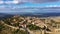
<point>30,25</point>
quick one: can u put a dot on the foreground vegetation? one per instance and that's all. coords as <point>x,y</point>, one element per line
<point>25,25</point>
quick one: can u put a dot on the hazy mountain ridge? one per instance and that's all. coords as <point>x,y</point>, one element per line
<point>4,15</point>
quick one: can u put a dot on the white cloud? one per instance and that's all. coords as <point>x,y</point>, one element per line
<point>23,1</point>
<point>1,2</point>
<point>52,6</point>
<point>11,2</point>
<point>37,1</point>
<point>15,2</point>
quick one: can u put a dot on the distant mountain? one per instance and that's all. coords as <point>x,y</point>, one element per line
<point>4,15</point>
<point>47,14</point>
<point>42,14</point>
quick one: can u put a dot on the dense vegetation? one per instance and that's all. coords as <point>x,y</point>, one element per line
<point>33,27</point>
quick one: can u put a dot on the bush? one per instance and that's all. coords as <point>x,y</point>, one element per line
<point>19,32</point>
<point>1,27</point>
<point>33,27</point>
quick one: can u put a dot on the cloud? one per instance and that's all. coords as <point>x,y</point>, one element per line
<point>17,9</point>
<point>52,6</point>
<point>23,1</point>
<point>37,1</point>
<point>1,2</point>
<point>11,2</point>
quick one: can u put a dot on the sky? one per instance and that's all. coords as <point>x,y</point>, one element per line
<point>30,2</point>
<point>18,4</point>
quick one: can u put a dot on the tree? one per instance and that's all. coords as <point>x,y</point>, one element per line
<point>18,31</point>
<point>1,27</point>
<point>33,27</point>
